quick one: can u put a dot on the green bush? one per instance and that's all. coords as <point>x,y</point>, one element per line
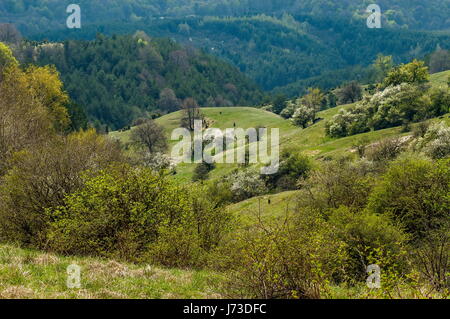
<point>137,215</point>
<point>414,192</point>
<point>369,238</point>
<point>294,259</point>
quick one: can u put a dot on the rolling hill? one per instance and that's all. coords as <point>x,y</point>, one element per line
<point>311,140</point>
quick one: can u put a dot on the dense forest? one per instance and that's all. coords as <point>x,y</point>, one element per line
<point>285,53</point>
<point>37,15</point>
<point>121,78</point>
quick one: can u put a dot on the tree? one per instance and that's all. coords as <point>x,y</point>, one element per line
<point>40,177</point>
<point>279,103</point>
<point>46,85</point>
<point>191,112</point>
<point>413,73</point>
<point>350,93</point>
<point>303,116</point>
<point>6,57</point>
<point>315,99</point>
<point>168,101</point>
<point>439,61</point>
<point>383,64</point>
<point>151,136</point>
<point>9,34</point>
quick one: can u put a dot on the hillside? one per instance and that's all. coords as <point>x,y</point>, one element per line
<point>311,140</point>
<point>121,78</point>
<point>286,53</point>
<point>45,15</point>
<point>31,274</point>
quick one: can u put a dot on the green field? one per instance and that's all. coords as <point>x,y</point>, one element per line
<point>311,140</point>
<point>32,274</point>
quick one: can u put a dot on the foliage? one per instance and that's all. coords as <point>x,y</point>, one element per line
<point>292,260</point>
<point>349,93</point>
<point>412,73</point>
<point>118,79</point>
<point>246,184</point>
<point>40,178</point>
<point>435,142</point>
<point>150,136</point>
<point>294,166</point>
<point>414,192</point>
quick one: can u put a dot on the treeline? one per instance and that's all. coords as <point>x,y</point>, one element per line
<point>120,78</point>
<point>285,53</point>
<point>35,15</point>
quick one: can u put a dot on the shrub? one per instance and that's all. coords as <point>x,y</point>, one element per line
<point>117,214</point>
<point>40,178</point>
<point>385,150</point>
<point>246,184</point>
<point>414,192</point>
<point>293,167</point>
<point>436,141</point>
<point>369,238</point>
<point>295,259</point>
<point>201,171</point>
<point>303,116</point>
<point>338,183</point>
<point>136,215</point>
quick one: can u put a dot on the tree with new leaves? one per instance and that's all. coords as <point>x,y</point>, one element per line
<point>413,73</point>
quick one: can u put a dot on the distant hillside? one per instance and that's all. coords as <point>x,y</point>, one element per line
<point>311,141</point>
<point>49,14</point>
<point>286,54</point>
<point>121,78</point>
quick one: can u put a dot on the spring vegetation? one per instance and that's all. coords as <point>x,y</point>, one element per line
<point>116,207</point>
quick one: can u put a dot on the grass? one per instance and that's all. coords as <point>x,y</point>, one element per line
<point>31,274</point>
<point>311,140</point>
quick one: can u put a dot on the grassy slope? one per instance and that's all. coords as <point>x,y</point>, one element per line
<point>325,146</point>
<point>311,140</point>
<point>31,274</point>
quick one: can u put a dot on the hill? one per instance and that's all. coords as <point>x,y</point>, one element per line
<point>286,53</point>
<point>118,79</point>
<point>311,140</point>
<point>47,14</point>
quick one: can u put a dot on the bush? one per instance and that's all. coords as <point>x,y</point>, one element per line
<point>293,167</point>
<point>368,238</point>
<point>436,141</point>
<point>414,192</point>
<point>303,116</point>
<point>136,215</point>
<point>246,184</point>
<point>40,178</point>
<point>295,259</point>
<point>385,150</point>
<point>201,171</point>
<point>338,183</point>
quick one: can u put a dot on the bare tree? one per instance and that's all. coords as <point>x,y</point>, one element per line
<point>151,136</point>
<point>168,101</point>
<point>191,112</point>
